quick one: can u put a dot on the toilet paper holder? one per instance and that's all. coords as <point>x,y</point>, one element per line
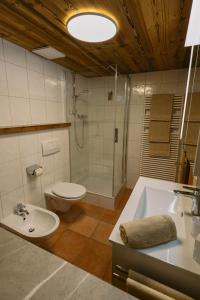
<point>34,170</point>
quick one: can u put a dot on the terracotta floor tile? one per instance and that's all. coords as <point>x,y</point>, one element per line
<point>46,244</point>
<point>94,258</point>
<point>69,245</point>
<point>82,237</point>
<point>122,198</point>
<point>84,225</point>
<point>111,216</point>
<point>74,214</point>
<point>92,210</point>
<point>108,273</point>
<point>102,233</point>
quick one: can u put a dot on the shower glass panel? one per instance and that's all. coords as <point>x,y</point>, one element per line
<point>101,122</point>
<point>97,133</point>
<point>121,98</point>
<point>78,116</point>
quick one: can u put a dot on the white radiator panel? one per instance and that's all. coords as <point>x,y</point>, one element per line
<point>158,167</point>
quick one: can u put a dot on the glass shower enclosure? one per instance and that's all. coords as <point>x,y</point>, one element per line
<point>99,115</point>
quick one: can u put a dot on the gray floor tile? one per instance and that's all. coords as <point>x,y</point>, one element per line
<point>9,243</point>
<point>61,285</point>
<point>22,271</point>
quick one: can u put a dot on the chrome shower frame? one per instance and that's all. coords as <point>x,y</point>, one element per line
<point>127,94</point>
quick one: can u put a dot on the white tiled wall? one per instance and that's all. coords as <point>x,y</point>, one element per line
<point>147,84</point>
<point>32,91</point>
<point>22,150</point>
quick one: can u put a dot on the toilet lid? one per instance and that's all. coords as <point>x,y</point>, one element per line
<point>68,190</point>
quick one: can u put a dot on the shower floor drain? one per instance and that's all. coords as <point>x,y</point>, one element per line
<point>31,229</point>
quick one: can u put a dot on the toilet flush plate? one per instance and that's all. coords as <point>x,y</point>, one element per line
<point>50,147</point>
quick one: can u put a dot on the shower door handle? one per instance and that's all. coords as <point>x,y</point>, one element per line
<point>116,135</point>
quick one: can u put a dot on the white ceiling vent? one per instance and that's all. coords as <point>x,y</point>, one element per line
<point>48,52</point>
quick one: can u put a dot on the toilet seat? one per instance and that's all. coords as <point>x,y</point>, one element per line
<point>68,190</point>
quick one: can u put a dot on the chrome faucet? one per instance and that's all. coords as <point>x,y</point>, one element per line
<point>21,210</point>
<point>195,195</point>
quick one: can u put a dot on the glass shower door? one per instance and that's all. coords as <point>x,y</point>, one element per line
<point>121,101</point>
<point>98,148</point>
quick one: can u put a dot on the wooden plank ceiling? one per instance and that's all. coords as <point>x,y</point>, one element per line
<point>150,37</point>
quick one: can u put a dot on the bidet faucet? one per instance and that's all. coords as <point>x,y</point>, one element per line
<point>195,195</point>
<point>21,210</point>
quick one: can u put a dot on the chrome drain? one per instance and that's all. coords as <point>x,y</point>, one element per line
<point>31,229</point>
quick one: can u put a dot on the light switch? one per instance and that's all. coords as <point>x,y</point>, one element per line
<point>50,147</point>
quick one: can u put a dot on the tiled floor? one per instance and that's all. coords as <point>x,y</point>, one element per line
<point>82,237</point>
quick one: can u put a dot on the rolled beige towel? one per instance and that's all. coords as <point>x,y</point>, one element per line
<point>148,232</point>
<point>144,292</point>
<point>162,288</point>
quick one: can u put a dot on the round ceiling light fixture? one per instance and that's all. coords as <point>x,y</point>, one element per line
<point>91,27</point>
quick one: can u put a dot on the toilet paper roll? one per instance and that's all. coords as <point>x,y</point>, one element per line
<point>38,172</point>
<point>195,227</point>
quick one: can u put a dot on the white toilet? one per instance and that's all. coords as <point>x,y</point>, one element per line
<point>62,195</point>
